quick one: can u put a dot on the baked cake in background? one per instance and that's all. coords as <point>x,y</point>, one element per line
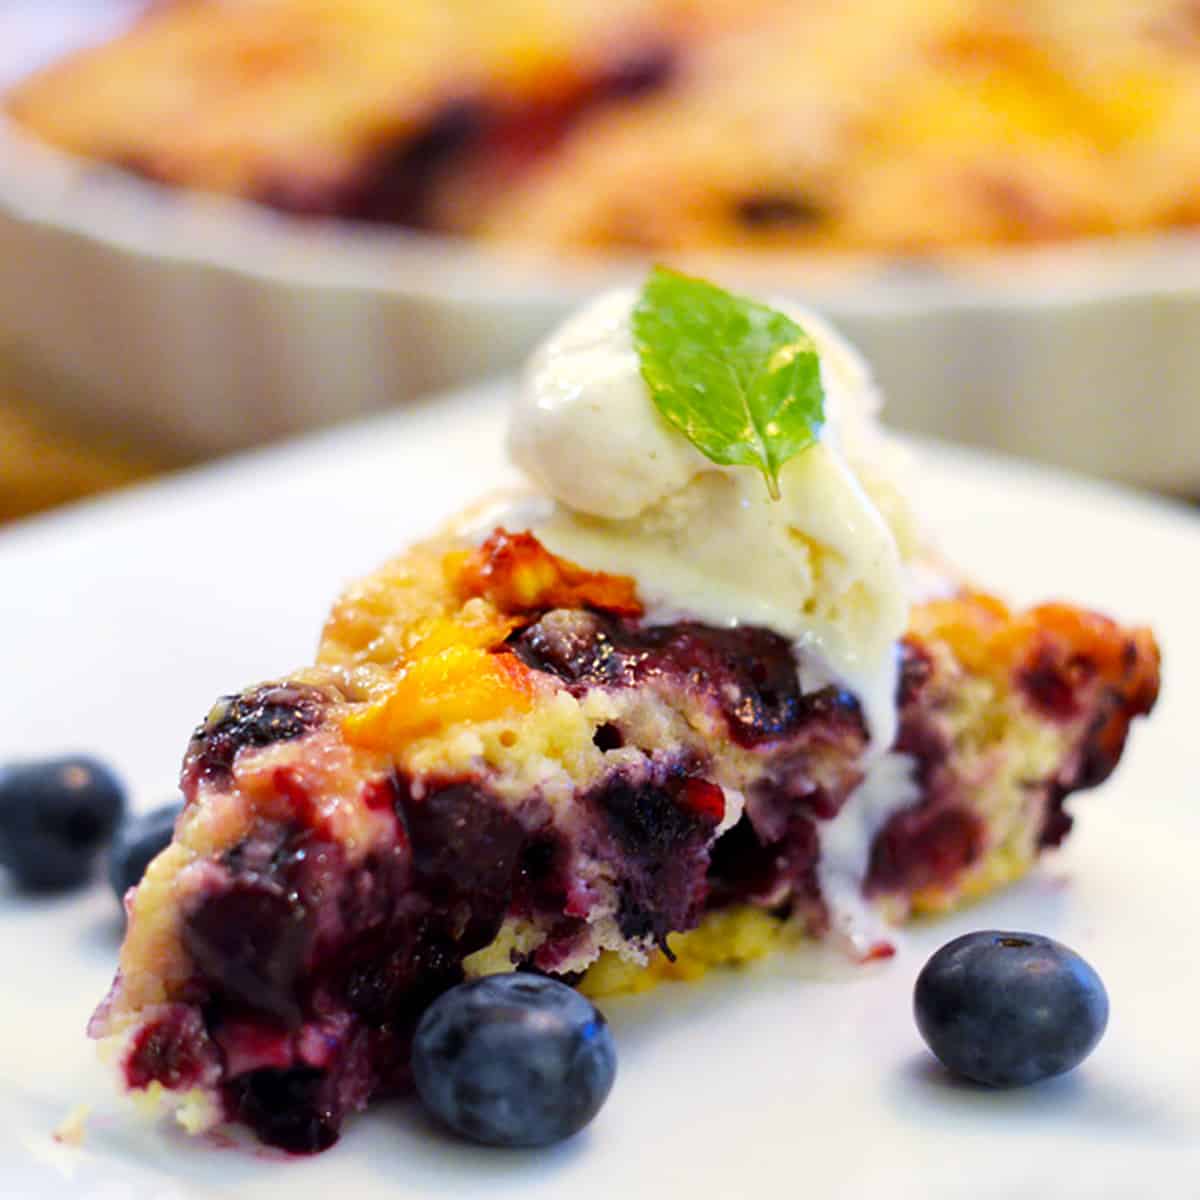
<point>893,125</point>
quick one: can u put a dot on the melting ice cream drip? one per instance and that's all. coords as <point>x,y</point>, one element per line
<point>888,787</point>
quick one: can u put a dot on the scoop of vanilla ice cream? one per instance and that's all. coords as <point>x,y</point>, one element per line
<point>583,426</point>
<point>823,565</point>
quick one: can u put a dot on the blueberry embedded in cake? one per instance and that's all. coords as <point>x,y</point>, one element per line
<point>708,687</point>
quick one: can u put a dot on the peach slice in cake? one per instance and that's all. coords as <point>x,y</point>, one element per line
<point>509,758</point>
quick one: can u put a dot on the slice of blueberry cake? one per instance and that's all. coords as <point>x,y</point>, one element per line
<point>653,720</point>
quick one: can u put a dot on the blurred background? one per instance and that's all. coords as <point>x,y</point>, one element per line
<point>223,222</point>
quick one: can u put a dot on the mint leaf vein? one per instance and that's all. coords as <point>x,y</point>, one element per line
<point>741,381</point>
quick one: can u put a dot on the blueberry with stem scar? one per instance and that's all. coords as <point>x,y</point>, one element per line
<point>1007,1009</point>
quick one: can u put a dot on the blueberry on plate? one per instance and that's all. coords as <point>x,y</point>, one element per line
<point>139,839</point>
<point>55,816</point>
<point>1007,1009</point>
<point>513,1060</point>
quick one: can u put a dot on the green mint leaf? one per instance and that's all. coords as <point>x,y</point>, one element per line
<point>740,381</point>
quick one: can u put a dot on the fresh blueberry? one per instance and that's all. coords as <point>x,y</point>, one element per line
<point>55,816</point>
<point>1007,1009</point>
<point>138,840</point>
<point>513,1060</point>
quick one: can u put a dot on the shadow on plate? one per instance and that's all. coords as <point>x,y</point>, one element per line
<point>1083,1103</point>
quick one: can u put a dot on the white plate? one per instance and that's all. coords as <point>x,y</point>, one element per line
<point>121,620</point>
<point>208,324</point>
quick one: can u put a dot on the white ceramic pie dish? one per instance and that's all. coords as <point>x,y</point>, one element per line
<point>209,324</point>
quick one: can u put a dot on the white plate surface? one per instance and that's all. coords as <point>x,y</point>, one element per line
<point>121,620</point>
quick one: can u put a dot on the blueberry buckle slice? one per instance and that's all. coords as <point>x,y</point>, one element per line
<point>497,765</point>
